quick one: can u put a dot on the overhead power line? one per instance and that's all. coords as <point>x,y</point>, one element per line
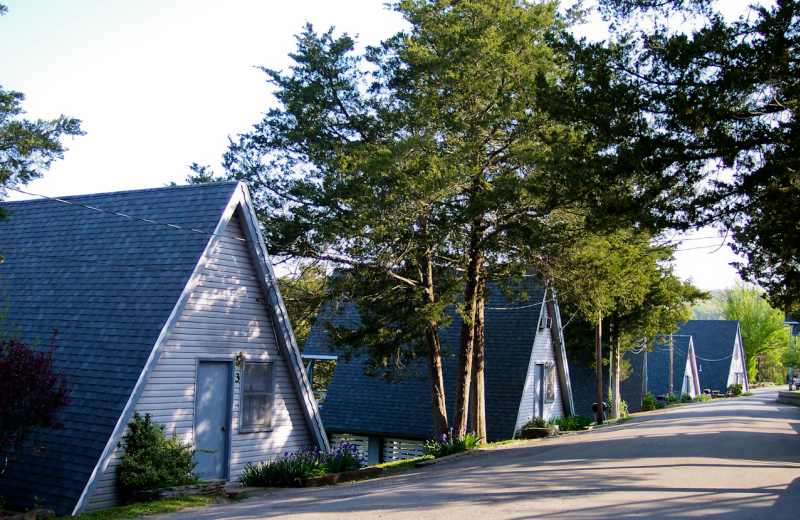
<point>132,217</point>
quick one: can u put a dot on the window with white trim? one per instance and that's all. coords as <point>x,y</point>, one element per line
<point>257,398</point>
<point>549,383</point>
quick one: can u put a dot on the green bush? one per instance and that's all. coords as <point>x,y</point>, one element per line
<point>449,443</point>
<point>537,422</point>
<point>673,398</point>
<point>701,398</point>
<point>747,393</point>
<point>572,423</point>
<point>648,402</point>
<point>686,398</point>
<point>735,390</point>
<point>660,405</point>
<point>152,460</point>
<point>623,408</point>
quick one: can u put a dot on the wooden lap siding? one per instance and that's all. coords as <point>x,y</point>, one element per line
<point>221,319</point>
<point>400,449</point>
<point>543,352</point>
<point>360,442</point>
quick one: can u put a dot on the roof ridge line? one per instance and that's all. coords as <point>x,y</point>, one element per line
<point>123,192</point>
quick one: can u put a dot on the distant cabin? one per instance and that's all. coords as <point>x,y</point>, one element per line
<point>708,355</point>
<point>685,376</point>
<point>165,303</point>
<point>719,352</point>
<point>526,376</point>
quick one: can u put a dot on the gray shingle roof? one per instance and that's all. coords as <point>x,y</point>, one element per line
<point>357,403</point>
<point>658,365</point>
<point>713,348</point>
<point>108,284</point>
<point>584,384</point>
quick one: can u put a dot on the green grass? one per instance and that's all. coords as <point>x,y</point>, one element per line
<point>499,443</point>
<point>166,505</point>
<point>401,465</point>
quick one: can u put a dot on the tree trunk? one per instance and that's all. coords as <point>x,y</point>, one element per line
<point>614,377</point>
<point>477,400</point>
<point>438,404</point>
<point>464,376</point>
<point>598,336</point>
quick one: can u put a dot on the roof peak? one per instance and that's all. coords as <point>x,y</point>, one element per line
<point>125,192</point>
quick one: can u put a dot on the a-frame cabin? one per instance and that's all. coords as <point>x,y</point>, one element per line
<point>165,303</point>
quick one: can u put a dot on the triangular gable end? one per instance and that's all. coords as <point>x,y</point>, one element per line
<point>738,363</point>
<point>239,208</point>
<point>547,349</point>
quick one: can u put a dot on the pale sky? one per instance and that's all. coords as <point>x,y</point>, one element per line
<point>162,84</point>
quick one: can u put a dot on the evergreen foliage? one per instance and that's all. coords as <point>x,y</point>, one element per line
<point>713,107</point>
<point>152,460</point>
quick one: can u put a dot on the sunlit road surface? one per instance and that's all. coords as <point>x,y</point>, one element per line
<point>727,459</point>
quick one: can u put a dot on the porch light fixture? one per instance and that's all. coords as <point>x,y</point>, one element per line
<point>240,359</point>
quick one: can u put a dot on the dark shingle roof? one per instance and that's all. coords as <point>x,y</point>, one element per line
<point>631,387</point>
<point>357,403</point>
<point>658,365</point>
<point>584,384</point>
<point>713,348</point>
<point>108,284</point>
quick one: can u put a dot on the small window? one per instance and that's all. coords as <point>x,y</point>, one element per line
<point>257,397</point>
<point>549,383</point>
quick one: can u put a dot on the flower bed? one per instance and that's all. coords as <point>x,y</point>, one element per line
<point>294,469</point>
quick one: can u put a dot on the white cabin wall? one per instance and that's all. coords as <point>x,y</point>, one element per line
<point>543,352</point>
<point>737,365</point>
<point>687,371</point>
<point>221,319</point>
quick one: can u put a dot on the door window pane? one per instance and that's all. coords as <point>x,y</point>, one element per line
<point>258,389</point>
<point>549,383</point>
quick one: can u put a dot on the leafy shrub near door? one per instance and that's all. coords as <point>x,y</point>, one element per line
<point>648,402</point>
<point>152,460</point>
<point>735,390</point>
<point>572,423</point>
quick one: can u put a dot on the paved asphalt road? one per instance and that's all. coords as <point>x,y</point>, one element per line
<point>728,459</point>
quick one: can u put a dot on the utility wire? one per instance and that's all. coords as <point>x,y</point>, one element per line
<point>132,217</point>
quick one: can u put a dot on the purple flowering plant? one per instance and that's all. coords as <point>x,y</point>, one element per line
<point>290,469</point>
<point>450,443</point>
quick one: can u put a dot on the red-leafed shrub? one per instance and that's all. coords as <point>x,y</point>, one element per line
<point>32,394</point>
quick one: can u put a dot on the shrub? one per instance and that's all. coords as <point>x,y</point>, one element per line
<point>572,423</point>
<point>536,422</point>
<point>623,408</point>
<point>290,469</point>
<point>152,460</point>
<point>701,398</point>
<point>686,398</point>
<point>648,402</point>
<point>32,395</point>
<point>449,443</point>
<point>735,390</point>
<point>747,393</point>
<point>673,398</point>
<point>660,405</point>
